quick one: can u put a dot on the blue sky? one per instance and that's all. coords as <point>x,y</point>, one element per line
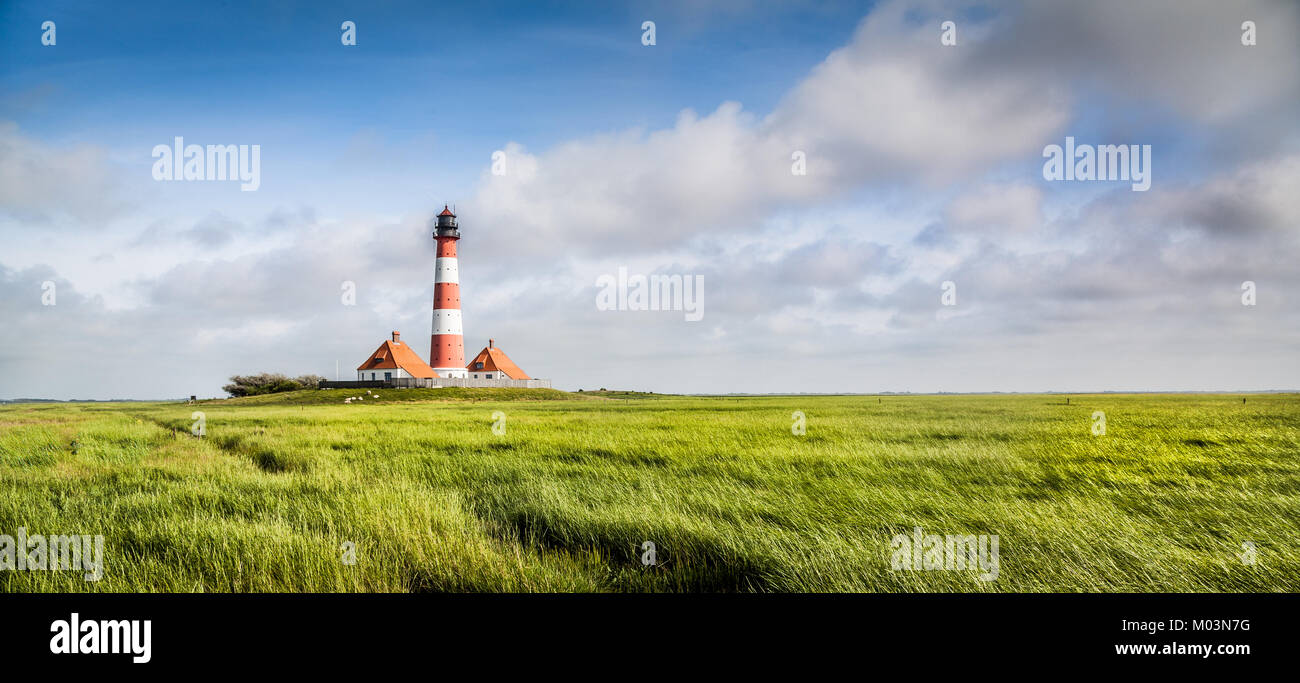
<point>459,81</point>
<point>924,167</point>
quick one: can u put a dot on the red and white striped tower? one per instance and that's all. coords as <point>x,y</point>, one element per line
<point>447,349</point>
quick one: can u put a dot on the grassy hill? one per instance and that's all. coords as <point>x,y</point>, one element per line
<point>387,396</point>
<point>532,490</point>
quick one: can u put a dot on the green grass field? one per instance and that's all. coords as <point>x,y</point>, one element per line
<point>434,500</point>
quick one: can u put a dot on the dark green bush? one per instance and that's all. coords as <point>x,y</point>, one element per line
<point>268,383</point>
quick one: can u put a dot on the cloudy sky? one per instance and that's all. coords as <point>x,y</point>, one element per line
<point>924,165</point>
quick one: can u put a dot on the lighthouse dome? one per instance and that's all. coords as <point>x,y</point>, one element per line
<point>445,224</point>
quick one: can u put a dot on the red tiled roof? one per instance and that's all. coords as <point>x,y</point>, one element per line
<point>496,360</point>
<point>395,354</point>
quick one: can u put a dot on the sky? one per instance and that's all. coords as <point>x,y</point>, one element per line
<point>864,201</point>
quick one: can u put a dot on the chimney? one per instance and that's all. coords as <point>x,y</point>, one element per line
<point>491,342</point>
<point>397,336</point>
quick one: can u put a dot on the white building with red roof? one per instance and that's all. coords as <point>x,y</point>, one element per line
<point>394,360</point>
<point>493,363</point>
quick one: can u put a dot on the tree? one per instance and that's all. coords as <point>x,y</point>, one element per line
<point>268,383</point>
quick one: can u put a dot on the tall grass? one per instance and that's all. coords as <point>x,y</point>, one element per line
<point>433,500</point>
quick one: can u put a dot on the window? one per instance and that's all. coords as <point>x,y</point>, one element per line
<point>488,376</point>
<point>388,375</point>
<point>478,366</point>
<point>372,375</point>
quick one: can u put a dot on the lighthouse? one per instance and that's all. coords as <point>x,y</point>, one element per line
<point>396,365</point>
<point>447,348</point>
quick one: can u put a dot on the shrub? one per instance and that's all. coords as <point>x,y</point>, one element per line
<point>268,383</point>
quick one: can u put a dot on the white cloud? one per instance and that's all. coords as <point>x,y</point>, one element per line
<point>1184,54</point>
<point>1259,197</point>
<point>889,107</point>
<point>991,209</point>
<point>44,184</point>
